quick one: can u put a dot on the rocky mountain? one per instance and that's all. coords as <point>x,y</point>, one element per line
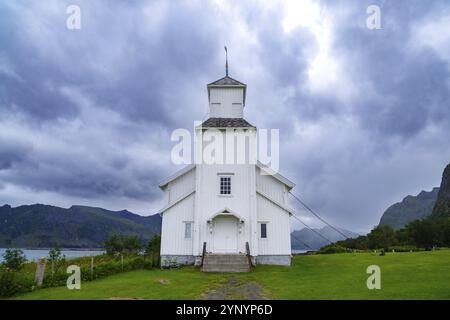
<point>312,240</point>
<point>410,208</point>
<point>442,206</point>
<point>41,225</point>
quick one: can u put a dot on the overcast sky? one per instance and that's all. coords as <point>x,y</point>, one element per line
<point>86,115</point>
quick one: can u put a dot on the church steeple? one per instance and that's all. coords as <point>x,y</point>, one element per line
<point>226,96</point>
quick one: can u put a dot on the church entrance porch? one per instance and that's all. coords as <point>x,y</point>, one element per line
<point>225,234</point>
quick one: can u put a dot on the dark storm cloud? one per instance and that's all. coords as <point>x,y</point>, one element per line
<point>118,65</point>
<point>126,69</point>
<point>12,154</point>
<point>86,115</point>
<point>400,89</point>
<point>368,139</point>
<point>410,86</point>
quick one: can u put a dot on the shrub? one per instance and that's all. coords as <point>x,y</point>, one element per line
<point>382,236</point>
<point>13,283</point>
<point>122,244</point>
<point>14,259</point>
<point>152,250</point>
<point>333,249</point>
<point>403,248</point>
<point>17,282</point>
<point>8,285</point>
<point>56,259</point>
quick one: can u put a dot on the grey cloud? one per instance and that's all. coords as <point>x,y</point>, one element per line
<point>96,106</point>
<point>408,86</point>
<point>12,154</point>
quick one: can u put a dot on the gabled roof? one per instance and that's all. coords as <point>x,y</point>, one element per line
<point>225,212</point>
<point>176,175</point>
<point>190,167</point>
<point>170,205</point>
<point>280,205</point>
<point>226,123</point>
<point>227,81</point>
<point>276,175</point>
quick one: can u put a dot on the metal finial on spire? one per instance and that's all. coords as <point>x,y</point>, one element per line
<point>226,61</point>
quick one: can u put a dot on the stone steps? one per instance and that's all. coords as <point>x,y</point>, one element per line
<point>225,263</point>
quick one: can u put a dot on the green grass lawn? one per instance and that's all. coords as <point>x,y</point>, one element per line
<point>418,275</point>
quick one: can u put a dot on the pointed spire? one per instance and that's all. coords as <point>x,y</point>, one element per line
<point>226,61</point>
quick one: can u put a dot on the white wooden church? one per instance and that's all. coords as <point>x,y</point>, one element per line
<point>226,217</point>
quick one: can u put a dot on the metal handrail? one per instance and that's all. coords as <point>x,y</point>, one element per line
<point>247,249</point>
<point>203,253</point>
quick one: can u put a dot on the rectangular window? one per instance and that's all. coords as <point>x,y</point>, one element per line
<point>263,230</point>
<point>225,185</point>
<point>188,230</point>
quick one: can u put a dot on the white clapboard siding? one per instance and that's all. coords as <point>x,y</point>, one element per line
<point>278,241</point>
<point>181,186</point>
<point>226,103</point>
<point>271,187</point>
<point>238,201</point>
<point>173,241</point>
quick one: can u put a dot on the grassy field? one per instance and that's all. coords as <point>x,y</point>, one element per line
<point>419,275</point>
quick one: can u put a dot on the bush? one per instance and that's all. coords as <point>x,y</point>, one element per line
<point>381,237</point>
<point>14,259</point>
<point>429,233</point>
<point>13,283</point>
<point>57,260</point>
<point>403,248</point>
<point>333,249</point>
<point>152,250</point>
<point>18,282</point>
<point>120,244</point>
<point>8,285</point>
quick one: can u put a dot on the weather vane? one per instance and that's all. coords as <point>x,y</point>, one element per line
<point>226,61</point>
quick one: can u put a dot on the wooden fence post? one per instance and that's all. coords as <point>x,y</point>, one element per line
<point>92,267</point>
<point>40,271</point>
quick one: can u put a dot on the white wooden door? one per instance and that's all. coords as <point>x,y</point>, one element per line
<point>225,234</point>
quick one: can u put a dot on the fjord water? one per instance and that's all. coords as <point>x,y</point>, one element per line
<point>35,254</point>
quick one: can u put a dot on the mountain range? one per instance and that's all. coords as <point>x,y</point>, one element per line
<point>410,208</point>
<point>442,207</point>
<point>305,239</point>
<point>39,225</point>
<point>433,204</point>
<point>43,226</point>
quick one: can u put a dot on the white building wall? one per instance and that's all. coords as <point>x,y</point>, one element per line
<point>226,102</point>
<point>271,187</point>
<point>244,201</point>
<point>173,241</point>
<point>181,186</point>
<point>278,241</point>
<point>209,201</point>
<point>212,202</point>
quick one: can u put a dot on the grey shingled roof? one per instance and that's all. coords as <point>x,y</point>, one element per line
<point>226,123</point>
<point>226,81</point>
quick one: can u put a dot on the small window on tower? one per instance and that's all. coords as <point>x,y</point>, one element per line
<point>225,185</point>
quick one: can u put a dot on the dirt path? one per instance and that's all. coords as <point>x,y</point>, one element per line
<point>235,289</point>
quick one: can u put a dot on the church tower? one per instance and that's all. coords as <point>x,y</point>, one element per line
<point>226,187</point>
<point>226,98</point>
